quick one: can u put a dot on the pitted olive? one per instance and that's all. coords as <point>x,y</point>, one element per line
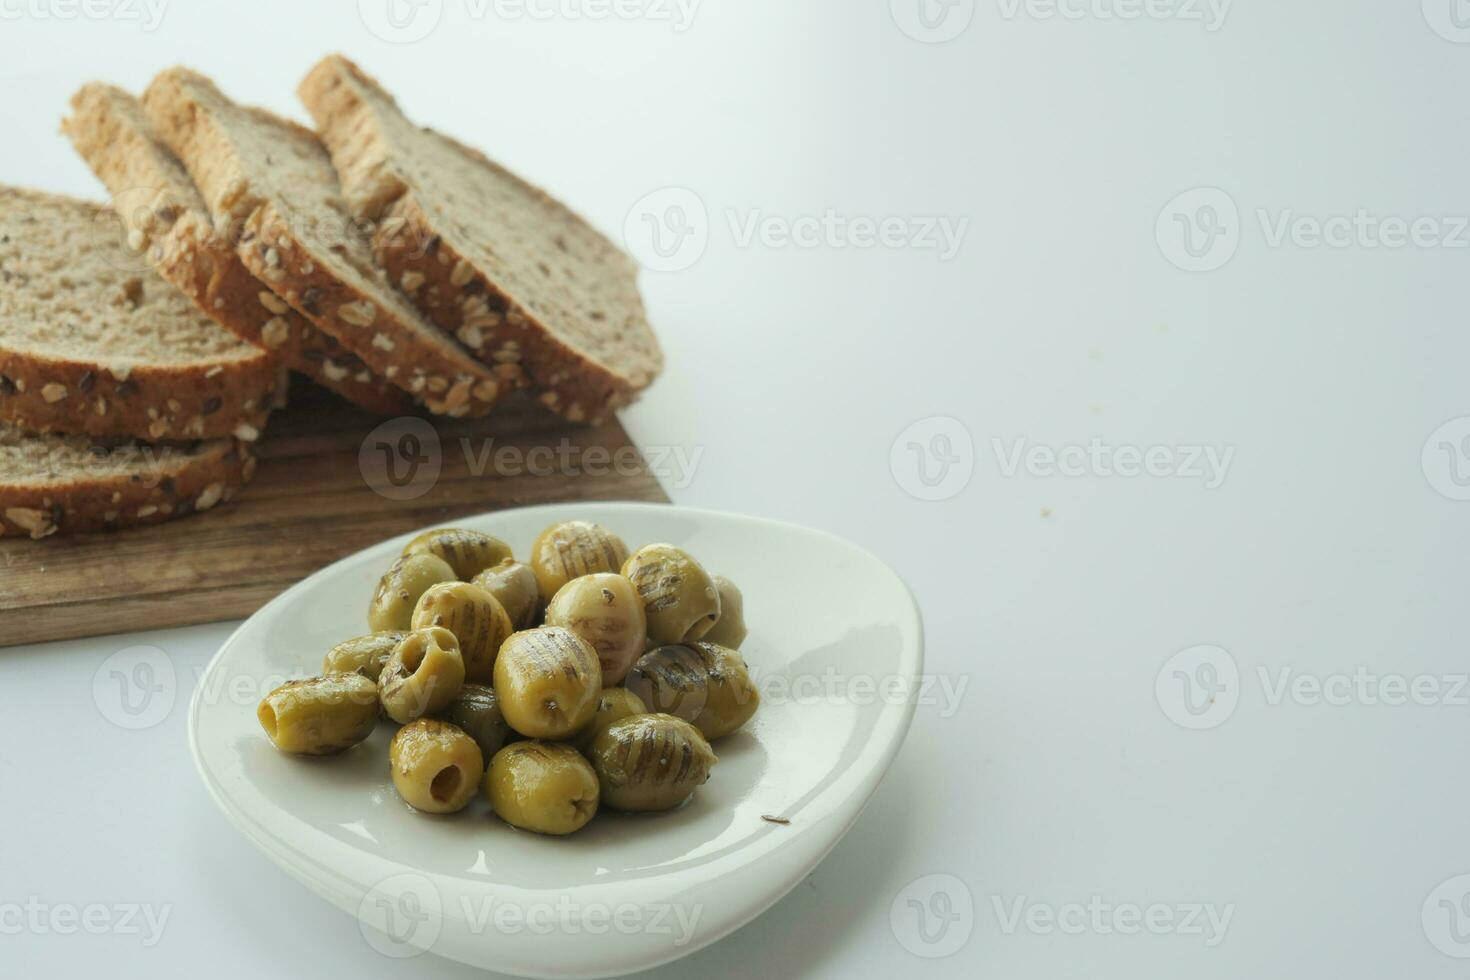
<point>363,655</point>
<point>435,766</point>
<point>703,683</point>
<point>650,762</point>
<point>476,619</point>
<point>514,584</point>
<point>400,588</point>
<point>321,715</point>
<point>572,549</point>
<point>604,610</point>
<point>477,712</point>
<point>729,630</point>
<point>423,676</point>
<point>467,552</point>
<point>548,681</point>
<point>614,704</point>
<point>679,597</point>
<point>542,786</point>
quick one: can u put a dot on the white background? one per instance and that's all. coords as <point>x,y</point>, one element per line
<point>1322,829</point>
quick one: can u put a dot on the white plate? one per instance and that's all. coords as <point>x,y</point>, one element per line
<point>835,646</point>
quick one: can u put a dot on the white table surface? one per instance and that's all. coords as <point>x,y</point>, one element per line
<point>1062,795</point>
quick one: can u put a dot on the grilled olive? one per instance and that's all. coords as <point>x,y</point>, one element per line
<point>363,655</point>
<point>467,552</point>
<point>703,683</point>
<point>729,630</point>
<point>542,786</point>
<point>548,681</point>
<point>572,549</point>
<point>477,711</point>
<point>614,704</point>
<point>436,767</point>
<point>650,762</point>
<point>678,594</point>
<point>400,588</point>
<point>514,584</point>
<point>321,715</point>
<point>476,619</point>
<point>604,610</point>
<point>424,674</point>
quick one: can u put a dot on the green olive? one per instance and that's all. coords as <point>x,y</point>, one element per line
<point>400,588</point>
<point>436,767</point>
<point>548,681</point>
<point>320,716</point>
<point>363,655</point>
<point>423,676</point>
<point>604,610</point>
<point>572,549</point>
<point>650,762</point>
<point>615,704</point>
<point>474,616</point>
<point>703,683</point>
<point>477,711</point>
<point>729,630</point>
<point>678,594</point>
<point>542,786</point>
<point>514,584</point>
<point>467,552</point>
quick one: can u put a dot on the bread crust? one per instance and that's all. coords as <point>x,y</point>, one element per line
<point>127,500</point>
<point>448,288</point>
<point>109,131</point>
<point>435,370</point>
<point>45,394</point>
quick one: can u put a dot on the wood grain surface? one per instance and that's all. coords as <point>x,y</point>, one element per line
<point>311,503</point>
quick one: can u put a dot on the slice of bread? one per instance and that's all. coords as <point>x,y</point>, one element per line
<point>166,219</point>
<point>92,342</point>
<point>54,484</point>
<point>516,275</point>
<point>274,181</point>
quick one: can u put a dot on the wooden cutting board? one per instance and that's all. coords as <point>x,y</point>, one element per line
<point>310,504</point>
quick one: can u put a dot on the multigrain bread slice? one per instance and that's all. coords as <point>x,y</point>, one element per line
<point>518,276</point>
<point>274,181</point>
<point>166,219</point>
<point>55,484</point>
<point>92,342</point>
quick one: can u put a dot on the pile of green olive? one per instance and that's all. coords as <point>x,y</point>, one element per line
<point>587,677</point>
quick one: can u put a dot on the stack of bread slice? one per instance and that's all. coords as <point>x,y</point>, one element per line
<point>143,345</point>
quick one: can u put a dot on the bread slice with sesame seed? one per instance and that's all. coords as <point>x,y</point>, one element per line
<point>56,484</point>
<point>167,221</point>
<point>518,276</point>
<point>92,342</point>
<point>273,180</point>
